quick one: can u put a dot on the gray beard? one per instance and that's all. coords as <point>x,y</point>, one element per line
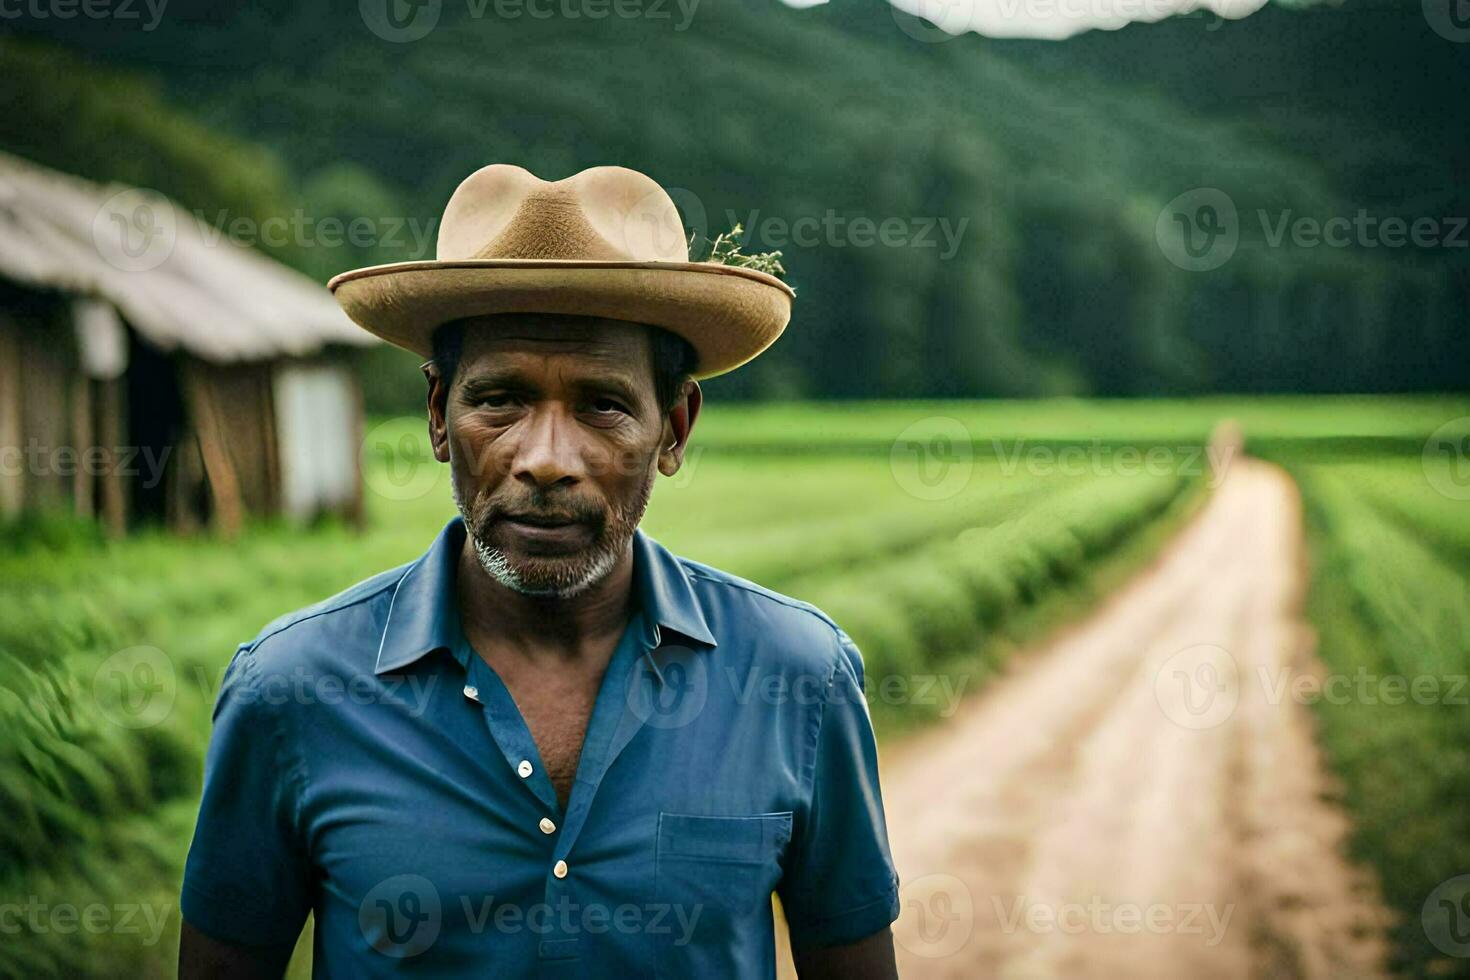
<point>565,580</point>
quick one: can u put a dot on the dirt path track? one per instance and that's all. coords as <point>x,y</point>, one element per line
<point>1137,799</point>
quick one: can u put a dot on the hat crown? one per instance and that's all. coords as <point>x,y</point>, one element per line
<point>607,243</point>
<point>609,214</point>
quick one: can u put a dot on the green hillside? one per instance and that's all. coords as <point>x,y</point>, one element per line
<point>1049,177</point>
<point>66,112</point>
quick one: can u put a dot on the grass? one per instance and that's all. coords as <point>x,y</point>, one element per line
<point>998,426</point>
<point>941,536</point>
<point>1391,563</point>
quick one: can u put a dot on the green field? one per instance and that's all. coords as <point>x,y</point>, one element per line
<point>1391,603</point>
<point>940,535</point>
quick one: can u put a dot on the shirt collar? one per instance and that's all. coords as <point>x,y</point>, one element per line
<point>424,614</point>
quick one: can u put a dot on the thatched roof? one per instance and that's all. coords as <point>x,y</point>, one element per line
<point>174,279</point>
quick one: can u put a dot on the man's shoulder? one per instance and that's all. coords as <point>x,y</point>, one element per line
<point>352,618</point>
<point>793,632</point>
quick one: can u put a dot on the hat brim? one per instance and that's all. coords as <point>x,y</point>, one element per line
<point>728,314</point>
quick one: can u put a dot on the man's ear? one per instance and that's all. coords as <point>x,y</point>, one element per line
<point>438,410</point>
<point>678,424</point>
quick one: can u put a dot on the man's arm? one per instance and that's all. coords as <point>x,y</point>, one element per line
<point>246,890</point>
<point>866,959</point>
<point>202,956</point>
<point>839,890</point>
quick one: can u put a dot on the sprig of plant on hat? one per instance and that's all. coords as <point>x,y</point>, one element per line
<point>725,250</point>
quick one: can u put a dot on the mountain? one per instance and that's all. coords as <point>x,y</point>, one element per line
<point>1023,185</point>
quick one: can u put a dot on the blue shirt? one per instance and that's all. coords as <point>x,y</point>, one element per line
<point>367,766</point>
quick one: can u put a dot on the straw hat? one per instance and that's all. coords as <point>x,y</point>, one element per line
<point>606,242</point>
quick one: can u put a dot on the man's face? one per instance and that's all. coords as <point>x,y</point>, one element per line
<point>554,437</point>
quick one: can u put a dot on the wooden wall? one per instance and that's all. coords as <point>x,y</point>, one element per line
<point>65,440</point>
<point>233,420</point>
<point>59,430</point>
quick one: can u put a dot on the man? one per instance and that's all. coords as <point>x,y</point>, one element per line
<point>552,747</point>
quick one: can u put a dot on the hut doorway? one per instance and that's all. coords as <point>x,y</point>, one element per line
<point>156,426</point>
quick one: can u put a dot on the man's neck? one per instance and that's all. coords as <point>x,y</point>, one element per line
<point>498,620</point>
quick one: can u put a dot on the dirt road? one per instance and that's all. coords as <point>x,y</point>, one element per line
<point>1142,798</point>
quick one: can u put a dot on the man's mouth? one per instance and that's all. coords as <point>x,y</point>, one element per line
<point>542,520</point>
<point>546,533</point>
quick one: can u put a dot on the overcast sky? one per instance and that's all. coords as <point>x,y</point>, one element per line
<point>1054,19</point>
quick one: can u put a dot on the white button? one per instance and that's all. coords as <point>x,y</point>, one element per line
<point>524,768</point>
<point>560,870</point>
<point>472,692</point>
<point>547,827</point>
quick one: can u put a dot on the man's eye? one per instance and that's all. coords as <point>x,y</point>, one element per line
<point>608,405</point>
<point>495,400</point>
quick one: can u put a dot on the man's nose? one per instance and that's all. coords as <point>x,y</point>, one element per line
<point>550,451</point>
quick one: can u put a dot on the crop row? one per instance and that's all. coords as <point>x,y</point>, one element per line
<point>1391,606</point>
<point>99,812</point>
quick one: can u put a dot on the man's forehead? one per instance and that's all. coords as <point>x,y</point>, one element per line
<point>521,349</point>
<point>540,335</point>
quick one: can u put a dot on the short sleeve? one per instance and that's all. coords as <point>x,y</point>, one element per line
<point>246,878</point>
<point>839,885</point>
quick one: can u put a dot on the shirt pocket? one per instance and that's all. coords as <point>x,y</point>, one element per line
<point>713,879</point>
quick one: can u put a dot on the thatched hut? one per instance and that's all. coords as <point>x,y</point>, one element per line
<point>152,370</point>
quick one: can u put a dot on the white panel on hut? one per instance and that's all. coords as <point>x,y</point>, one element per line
<point>316,415</point>
<point>102,340</point>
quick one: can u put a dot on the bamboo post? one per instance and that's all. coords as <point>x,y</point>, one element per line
<point>224,484</point>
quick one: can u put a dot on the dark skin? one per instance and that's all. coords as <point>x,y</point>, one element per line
<point>543,425</point>
<point>559,419</point>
